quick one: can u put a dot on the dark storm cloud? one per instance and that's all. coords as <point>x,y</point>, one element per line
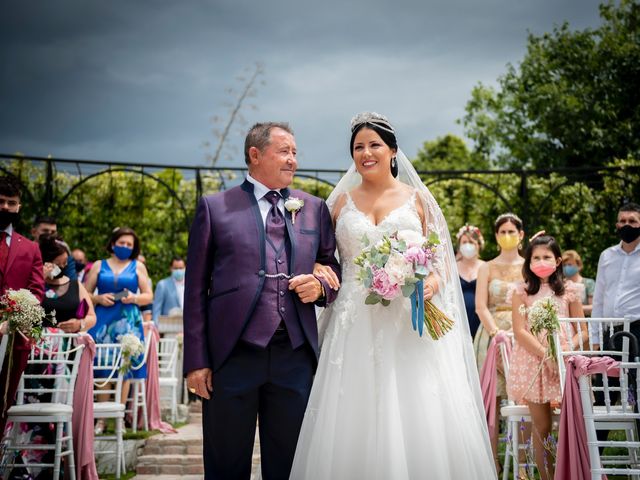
<point>139,80</point>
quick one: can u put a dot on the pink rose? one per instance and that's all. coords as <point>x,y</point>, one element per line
<point>417,256</point>
<point>383,286</point>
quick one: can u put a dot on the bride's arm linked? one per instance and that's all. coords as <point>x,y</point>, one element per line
<point>324,271</point>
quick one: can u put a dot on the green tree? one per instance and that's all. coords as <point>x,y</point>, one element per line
<point>572,101</point>
<point>447,153</point>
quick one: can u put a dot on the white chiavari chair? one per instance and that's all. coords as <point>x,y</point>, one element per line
<point>108,382</point>
<point>611,414</point>
<point>50,374</point>
<point>167,361</point>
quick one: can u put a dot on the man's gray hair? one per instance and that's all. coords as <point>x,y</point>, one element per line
<point>259,136</point>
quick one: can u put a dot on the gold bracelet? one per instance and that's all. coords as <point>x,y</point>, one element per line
<point>493,332</point>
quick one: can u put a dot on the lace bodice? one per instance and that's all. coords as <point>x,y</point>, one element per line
<point>352,225</point>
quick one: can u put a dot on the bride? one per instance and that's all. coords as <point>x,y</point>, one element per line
<point>387,403</point>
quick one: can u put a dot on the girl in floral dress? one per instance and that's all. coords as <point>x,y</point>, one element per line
<point>534,376</point>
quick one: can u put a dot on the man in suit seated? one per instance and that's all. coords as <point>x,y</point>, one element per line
<point>169,294</point>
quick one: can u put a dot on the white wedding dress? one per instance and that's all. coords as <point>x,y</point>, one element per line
<point>387,403</point>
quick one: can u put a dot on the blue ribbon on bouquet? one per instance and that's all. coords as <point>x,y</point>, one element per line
<point>417,308</point>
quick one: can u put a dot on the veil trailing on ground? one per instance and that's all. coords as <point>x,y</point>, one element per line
<point>449,298</point>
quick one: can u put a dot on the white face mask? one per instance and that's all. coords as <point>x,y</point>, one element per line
<point>468,250</point>
<point>55,271</point>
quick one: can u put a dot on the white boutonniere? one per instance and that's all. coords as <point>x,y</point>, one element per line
<point>293,204</point>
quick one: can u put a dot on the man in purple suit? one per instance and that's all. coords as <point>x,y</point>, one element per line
<point>250,333</point>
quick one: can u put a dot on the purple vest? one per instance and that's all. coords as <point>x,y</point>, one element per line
<point>276,303</point>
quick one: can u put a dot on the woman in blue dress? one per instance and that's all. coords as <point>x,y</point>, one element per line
<point>119,275</point>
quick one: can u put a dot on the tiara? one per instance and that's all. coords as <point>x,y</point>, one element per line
<point>508,215</point>
<point>372,118</point>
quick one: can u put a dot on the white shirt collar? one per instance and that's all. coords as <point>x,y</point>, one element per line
<point>9,230</point>
<point>259,189</point>
<point>635,250</point>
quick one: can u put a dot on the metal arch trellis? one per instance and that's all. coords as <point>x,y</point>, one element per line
<point>467,176</point>
<point>60,203</point>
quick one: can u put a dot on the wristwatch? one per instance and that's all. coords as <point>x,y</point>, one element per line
<point>83,324</point>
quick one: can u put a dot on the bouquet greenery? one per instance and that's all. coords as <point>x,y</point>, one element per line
<point>396,265</point>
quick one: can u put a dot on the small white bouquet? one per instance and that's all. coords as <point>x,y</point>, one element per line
<point>131,348</point>
<point>543,318</point>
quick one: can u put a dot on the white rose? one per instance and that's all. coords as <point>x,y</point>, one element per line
<point>293,204</point>
<point>410,237</point>
<point>398,268</point>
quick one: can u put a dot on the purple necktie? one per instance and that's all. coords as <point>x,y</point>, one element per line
<point>274,225</point>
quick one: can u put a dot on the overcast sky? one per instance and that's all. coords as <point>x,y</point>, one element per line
<point>140,80</point>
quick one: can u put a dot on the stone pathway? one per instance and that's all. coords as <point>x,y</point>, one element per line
<point>179,456</point>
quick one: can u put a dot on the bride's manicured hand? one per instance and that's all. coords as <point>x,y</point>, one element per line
<point>428,292</point>
<point>308,287</point>
<point>326,272</point>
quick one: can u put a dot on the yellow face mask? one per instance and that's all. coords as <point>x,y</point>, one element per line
<point>508,242</point>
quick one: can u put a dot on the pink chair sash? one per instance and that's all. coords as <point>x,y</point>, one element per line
<point>82,419</point>
<point>573,454</point>
<point>153,385</point>
<point>489,378</point>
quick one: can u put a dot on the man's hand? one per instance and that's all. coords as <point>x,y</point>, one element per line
<point>202,381</point>
<point>326,272</point>
<point>308,287</point>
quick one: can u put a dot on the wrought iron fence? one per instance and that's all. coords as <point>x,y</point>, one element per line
<point>89,197</point>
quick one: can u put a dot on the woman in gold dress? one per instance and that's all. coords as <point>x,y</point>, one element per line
<point>496,278</point>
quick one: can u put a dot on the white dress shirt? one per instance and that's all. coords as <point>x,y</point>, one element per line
<point>617,292</point>
<point>180,291</point>
<point>260,190</point>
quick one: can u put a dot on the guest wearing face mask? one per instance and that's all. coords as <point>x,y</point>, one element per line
<point>617,292</point>
<point>496,279</point>
<point>169,295</point>
<point>533,375</point>
<point>118,278</point>
<point>470,243</point>
<point>20,267</point>
<point>571,267</point>
<point>81,264</point>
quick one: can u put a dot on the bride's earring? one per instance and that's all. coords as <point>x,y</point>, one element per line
<point>394,166</point>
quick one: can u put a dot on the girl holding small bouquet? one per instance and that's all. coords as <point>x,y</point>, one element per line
<point>537,303</point>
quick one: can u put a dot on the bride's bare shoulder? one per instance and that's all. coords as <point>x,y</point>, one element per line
<point>337,206</point>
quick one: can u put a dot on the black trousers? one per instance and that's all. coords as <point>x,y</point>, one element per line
<point>271,385</point>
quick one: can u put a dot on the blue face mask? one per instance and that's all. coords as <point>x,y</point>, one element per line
<point>178,275</point>
<point>123,253</point>
<point>569,270</point>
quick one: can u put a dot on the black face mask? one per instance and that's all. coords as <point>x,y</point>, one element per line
<point>7,218</point>
<point>79,267</point>
<point>59,275</point>
<point>628,233</point>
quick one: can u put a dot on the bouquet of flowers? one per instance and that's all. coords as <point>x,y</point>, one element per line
<point>396,265</point>
<point>543,317</point>
<point>20,314</point>
<point>23,313</point>
<point>131,348</point>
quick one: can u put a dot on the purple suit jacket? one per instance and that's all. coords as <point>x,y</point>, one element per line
<point>225,270</point>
